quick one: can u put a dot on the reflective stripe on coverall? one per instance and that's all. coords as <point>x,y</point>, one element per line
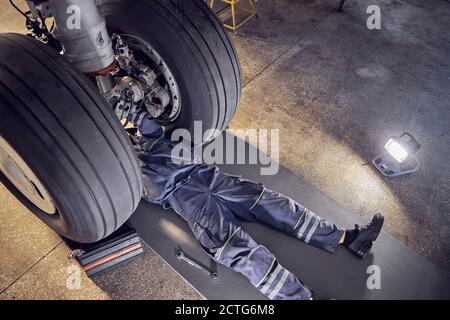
<point>211,203</point>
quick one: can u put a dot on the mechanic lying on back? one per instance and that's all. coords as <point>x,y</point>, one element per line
<point>211,202</point>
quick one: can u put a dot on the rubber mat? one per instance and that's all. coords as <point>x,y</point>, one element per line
<point>392,271</point>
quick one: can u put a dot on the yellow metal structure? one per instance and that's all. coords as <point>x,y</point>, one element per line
<point>234,6</point>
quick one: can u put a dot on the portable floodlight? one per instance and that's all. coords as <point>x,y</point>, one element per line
<point>398,157</point>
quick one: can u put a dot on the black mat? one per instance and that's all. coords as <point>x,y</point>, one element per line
<point>404,274</point>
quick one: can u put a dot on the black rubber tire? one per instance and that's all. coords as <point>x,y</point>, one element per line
<point>195,46</point>
<point>58,123</point>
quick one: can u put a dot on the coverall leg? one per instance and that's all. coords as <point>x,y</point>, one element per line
<point>211,201</point>
<point>254,202</point>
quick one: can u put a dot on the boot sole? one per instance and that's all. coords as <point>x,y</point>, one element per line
<point>376,232</point>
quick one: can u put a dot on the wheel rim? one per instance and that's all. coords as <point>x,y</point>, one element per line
<point>159,65</point>
<point>22,177</point>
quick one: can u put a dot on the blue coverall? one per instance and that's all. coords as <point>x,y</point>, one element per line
<point>211,202</point>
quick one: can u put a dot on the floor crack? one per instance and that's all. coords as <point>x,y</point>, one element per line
<point>295,43</point>
<point>31,267</point>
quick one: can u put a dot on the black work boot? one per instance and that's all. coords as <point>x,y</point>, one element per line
<point>365,236</point>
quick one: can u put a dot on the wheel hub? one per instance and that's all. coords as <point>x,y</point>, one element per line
<point>22,177</point>
<point>142,82</point>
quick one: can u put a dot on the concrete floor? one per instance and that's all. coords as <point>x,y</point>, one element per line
<point>337,91</point>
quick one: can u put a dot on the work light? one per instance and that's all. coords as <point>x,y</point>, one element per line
<point>398,157</point>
